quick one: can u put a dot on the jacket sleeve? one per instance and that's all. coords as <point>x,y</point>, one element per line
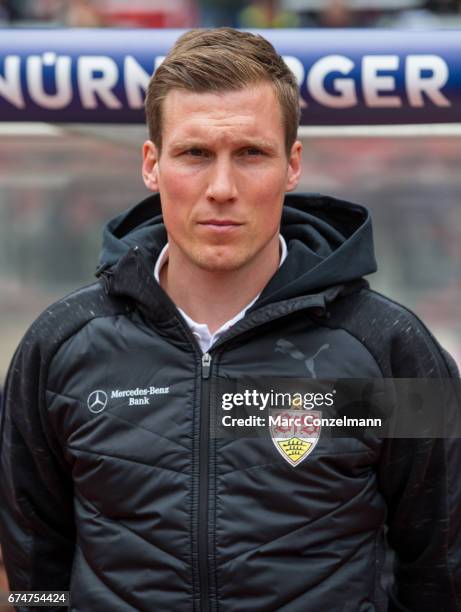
<point>421,483</point>
<point>36,510</point>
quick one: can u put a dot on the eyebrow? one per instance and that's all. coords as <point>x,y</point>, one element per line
<point>260,143</point>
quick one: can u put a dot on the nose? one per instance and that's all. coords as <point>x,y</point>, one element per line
<point>221,184</point>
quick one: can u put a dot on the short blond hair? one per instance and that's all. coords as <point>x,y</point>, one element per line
<point>219,60</point>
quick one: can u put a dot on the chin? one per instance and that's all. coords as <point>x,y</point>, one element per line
<point>214,262</point>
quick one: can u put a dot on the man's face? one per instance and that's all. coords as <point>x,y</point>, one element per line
<point>222,175</point>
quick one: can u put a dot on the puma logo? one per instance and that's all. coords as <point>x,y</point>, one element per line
<point>288,348</point>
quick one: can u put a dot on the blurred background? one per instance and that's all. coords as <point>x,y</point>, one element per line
<point>59,185</point>
<point>236,13</point>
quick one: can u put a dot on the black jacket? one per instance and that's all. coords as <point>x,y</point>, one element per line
<point>136,505</point>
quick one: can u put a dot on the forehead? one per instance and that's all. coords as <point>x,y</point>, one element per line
<point>250,111</point>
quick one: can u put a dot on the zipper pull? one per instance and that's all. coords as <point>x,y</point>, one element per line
<point>206,365</point>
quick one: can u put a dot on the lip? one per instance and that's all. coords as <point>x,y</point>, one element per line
<point>220,226</point>
<point>220,222</point>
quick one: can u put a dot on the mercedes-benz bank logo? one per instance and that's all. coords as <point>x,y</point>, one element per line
<point>97,401</point>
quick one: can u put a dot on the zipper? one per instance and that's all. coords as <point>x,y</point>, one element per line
<point>203,483</point>
<point>206,365</point>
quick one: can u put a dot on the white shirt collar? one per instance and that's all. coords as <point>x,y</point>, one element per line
<point>200,330</point>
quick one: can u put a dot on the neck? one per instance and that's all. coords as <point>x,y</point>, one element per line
<point>214,297</point>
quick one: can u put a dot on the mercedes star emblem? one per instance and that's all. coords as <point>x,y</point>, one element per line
<point>97,401</point>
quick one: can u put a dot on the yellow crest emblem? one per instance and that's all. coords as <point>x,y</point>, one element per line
<point>295,433</point>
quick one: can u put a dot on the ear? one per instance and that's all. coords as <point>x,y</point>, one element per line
<point>150,166</point>
<point>294,166</point>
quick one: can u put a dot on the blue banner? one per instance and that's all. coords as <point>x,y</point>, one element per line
<point>346,77</point>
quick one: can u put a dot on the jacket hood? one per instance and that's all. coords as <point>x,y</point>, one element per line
<point>330,243</point>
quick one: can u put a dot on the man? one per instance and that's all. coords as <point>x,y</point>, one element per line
<point>114,482</point>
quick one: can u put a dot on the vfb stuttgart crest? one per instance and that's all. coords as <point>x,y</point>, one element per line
<point>295,433</point>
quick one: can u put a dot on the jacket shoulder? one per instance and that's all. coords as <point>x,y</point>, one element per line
<point>398,339</point>
<point>68,315</point>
